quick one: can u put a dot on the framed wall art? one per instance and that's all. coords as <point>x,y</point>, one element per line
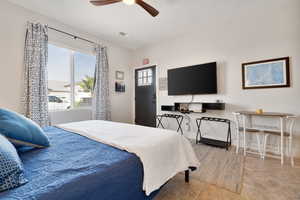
<point>120,75</point>
<point>272,73</point>
<point>120,86</point>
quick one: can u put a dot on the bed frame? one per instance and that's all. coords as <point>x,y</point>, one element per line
<point>187,174</point>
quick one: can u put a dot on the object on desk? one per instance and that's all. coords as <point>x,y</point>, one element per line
<point>167,108</point>
<point>198,108</point>
<point>184,107</point>
<point>259,111</point>
<point>187,108</point>
<point>217,143</point>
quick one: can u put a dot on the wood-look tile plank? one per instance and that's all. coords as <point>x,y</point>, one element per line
<point>261,179</point>
<point>219,167</point>
<point>177,189</point>
<point>268,180</point>
<point>215,193</point>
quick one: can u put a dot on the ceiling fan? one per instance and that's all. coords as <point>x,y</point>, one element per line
<point>152,11</point>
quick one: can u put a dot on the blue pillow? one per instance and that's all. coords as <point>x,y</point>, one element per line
<point>11,169</point>
<point>22,131</point>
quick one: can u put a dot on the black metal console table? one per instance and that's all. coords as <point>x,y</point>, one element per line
<point>217,143</point>
<point>179,119</point>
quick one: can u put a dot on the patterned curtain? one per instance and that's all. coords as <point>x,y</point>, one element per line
<point>35,64</point>
<point>101,100</point>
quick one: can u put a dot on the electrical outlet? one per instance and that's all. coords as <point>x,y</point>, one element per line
<point>188,126</point>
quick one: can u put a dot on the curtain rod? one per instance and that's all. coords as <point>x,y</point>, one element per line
<point>73,36</point>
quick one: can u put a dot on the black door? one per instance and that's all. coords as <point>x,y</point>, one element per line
<point>145,96</point>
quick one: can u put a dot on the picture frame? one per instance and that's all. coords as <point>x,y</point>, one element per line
<point>120,87</point>
<point>272,73</point>
<point>163,84</point>
<point>120,75</point>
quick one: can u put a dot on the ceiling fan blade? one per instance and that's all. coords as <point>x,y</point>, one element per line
<point>152,11</point>
<point>104,2</point>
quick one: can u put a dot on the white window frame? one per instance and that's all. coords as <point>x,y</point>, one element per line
<point>72,73</point>
<point>143,78</point>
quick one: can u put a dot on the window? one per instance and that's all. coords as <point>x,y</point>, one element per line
<point>70,78</point>
<point>145,77</point>
<point>84,69</point>
<point>59,79</point>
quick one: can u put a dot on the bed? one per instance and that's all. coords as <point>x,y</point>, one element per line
<point>72,169</point>
<point>77,167</point>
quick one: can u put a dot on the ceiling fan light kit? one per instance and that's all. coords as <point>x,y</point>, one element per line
<point>151,10</point>
<point>129,2</point>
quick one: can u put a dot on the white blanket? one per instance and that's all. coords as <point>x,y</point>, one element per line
<point>163,153</point>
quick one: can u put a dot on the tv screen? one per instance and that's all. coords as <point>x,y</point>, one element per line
<point>197,79</point>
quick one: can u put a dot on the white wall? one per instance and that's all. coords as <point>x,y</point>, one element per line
<point>12,36</point>
<point>269,32</point>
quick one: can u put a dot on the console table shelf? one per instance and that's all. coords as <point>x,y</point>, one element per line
<point>204,107</point>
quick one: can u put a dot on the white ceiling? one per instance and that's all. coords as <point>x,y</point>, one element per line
<point>176,17</point>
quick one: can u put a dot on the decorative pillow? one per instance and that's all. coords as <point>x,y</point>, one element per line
<point>22,131</point>
<point>11,169</point>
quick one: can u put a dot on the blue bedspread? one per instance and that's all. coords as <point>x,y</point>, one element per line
<point>77,168</point>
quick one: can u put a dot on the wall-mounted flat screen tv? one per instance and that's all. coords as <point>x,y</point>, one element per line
<point>197,79</point>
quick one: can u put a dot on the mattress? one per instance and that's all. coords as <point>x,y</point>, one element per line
<point>77,168</point>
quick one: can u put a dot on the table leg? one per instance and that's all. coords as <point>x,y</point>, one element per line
<point>238,141</point>
<point>291,154</point>
<point>244,125</point>
<point>265,145</point>
<point>250,121</point>
<point>259,145</point>
<point>290,151</point>
<point>281,140</point>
